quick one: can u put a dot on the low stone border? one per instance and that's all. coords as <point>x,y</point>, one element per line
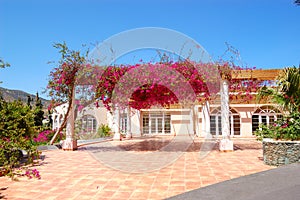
<point>93,141</point>
<point>281,152</point>
<point>48,147</point>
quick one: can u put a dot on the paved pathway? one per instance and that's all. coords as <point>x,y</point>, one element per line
<point>276,184</point>
<point>79,175</point>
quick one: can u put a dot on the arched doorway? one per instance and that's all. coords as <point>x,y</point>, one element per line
<point>265,115</point>
<point>216,124</point>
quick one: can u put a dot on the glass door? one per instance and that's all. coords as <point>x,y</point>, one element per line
<point>156,123</point>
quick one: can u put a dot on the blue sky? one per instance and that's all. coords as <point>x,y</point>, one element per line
<point>266,32</point>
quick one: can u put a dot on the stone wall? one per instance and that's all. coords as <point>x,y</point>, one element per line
<point>281,152</point>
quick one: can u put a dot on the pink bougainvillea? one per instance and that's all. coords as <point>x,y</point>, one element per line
<point>141,85</point>
<point>148,84</point>
<point>45,136</point>
<point>151,84</point>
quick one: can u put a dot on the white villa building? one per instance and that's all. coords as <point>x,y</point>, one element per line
<point>201,119</point>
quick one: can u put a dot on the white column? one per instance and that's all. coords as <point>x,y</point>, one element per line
<point>232,125</point>
<point>70,143</point>
<point>196,113</point>
<point>128,132</point>
<point>225,144</point>
<point>137,123</point>
<point>206,120</point>
<point>117,135</point>
<point>54,121</point>
<point>225,110</point>
<point>58,121</point>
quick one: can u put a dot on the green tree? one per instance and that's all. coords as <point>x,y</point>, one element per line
<point>272,95</point>
<point>49,125</point>
<point>287,92</point>
<point>3,65</point>
<point>16,132</point>
<point>38,111</point>
<point>29,100</point>
<point>289,87</point>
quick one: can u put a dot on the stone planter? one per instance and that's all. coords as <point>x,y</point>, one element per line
<point>281,152</point>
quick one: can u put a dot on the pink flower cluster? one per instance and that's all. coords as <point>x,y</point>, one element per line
<point>34,173</point>
<point>43,136</point>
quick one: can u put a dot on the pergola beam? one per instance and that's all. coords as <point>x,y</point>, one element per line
<point>259,74</point>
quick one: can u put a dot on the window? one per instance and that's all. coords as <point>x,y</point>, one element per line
<point>89,124</point>
<point>123,122</point>
<point>265,115</point>
<point>216,122</point>
<point>55,122</point>
<point>156,123</point>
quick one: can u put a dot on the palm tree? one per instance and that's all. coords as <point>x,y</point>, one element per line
<point>289,87</point>
<point>272,95</point>
<point>287,93</point>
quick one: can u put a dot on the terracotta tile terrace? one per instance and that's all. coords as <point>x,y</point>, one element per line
<point>125,170</point>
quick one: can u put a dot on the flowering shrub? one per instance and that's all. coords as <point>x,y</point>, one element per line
<point>16,133</point>
<point>46,135</point>
<point>42,137</point>
<point>287,128</point>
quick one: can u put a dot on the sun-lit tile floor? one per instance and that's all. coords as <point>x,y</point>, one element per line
<point>82,175</point>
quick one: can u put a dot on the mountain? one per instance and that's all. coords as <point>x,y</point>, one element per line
<point>11,95</point>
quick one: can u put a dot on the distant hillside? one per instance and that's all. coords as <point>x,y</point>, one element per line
<point>11,95</point>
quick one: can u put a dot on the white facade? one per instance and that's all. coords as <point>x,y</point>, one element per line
<point>90,117</point>
<point>203,120</point>
<point>58,115</point>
